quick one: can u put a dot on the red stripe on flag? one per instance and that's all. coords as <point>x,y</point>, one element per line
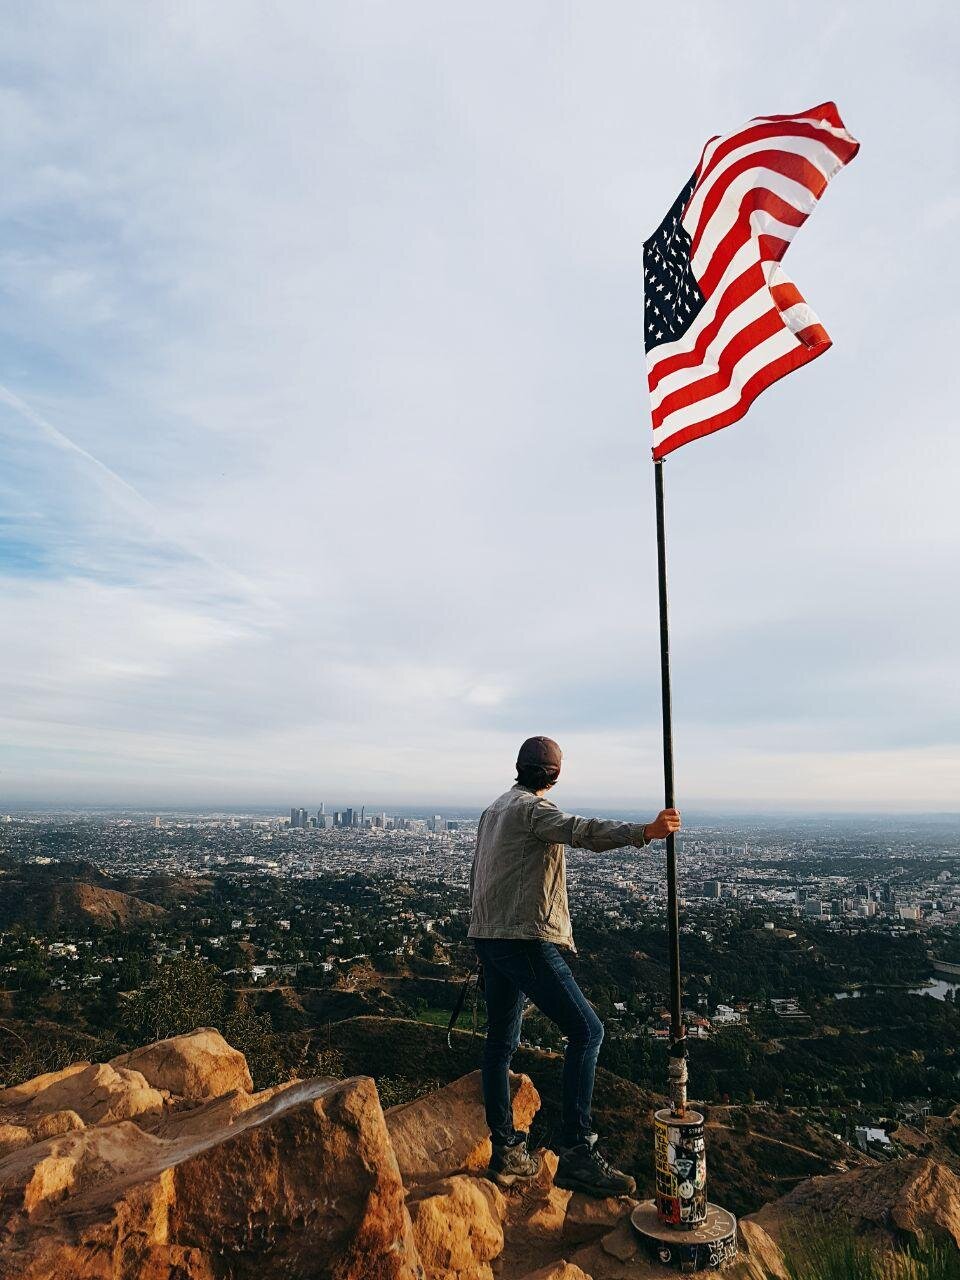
<point>762,379</point>
<point>786,295</point>
<point>797,168</point>
<point>772,248</point>
<point>737,292</point>
<point>759,200</point>
<point>840,147</point>
<point>718,379</point>
<point>825,111</point>
<point>814,335</point>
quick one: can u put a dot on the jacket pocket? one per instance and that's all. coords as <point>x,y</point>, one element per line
<point>555,895</point>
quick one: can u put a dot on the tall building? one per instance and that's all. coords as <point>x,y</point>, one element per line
<point>348,817</point>
<point>711,888</point>
<point>294,817</point>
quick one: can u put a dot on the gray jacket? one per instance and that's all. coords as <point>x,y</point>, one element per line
<point>518,883</point>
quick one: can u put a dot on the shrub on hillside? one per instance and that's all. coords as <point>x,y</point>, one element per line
<point>189,992</point>
<point>828,1249</point>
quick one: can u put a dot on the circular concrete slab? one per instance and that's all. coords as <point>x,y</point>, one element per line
<point>706,1247</point>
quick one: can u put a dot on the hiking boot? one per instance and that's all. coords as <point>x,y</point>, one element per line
<point>583,1168</point>
<point>512,1162</point>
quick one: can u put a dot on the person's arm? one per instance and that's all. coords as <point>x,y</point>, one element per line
<point>597,834</point>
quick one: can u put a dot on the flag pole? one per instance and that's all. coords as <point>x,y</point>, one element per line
<point>678,1045</point>
<point>678,1226</point>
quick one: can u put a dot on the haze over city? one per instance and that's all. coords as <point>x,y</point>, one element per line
<point>324,438</point>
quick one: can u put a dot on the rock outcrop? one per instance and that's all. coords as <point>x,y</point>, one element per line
<point>445,1131</point>
<point>900,1200</point>
<point>107,908</point>
<point>458,1227</point>
<point>165,1165</point>
<point>301,1180</point>
<point>95,1092</point>
<point>195,1067</point>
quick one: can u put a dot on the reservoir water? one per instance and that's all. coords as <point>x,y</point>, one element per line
<point>936,987</point>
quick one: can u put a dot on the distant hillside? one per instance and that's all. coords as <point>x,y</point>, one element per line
<point>939,1139</point>
<point>337,1006</point>
<point>165,890</point>
<point>106,907</point>
<point>750,1159</point>
<point>47,896</point>
<point>29,873</point>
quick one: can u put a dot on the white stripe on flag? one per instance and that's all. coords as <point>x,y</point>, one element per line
<point>776,346</point>
<point>749,310</point>
<point>799,316</point>
<point>809,148</point>
<point>728,210</point>
<point>746,256</point>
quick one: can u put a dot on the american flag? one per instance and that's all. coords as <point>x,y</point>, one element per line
<point>723,320</point>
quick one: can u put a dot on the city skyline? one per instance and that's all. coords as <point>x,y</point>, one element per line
<point>324,442</point>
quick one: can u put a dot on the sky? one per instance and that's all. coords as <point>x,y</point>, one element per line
<point>324,434</point>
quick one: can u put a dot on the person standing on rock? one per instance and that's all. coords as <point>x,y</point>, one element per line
<point>519,921</point>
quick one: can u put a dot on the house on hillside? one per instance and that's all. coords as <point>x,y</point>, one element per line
<point>874,1142</point>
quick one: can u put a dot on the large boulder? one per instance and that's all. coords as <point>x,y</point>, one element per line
<point>540,1212</point>
<point>445,1132</point>
<point>301,1183</point>
<point>561,1270</point>
<point>93,1091</point>
<point>457,1225</point>
<point>12,1137</point>
<point>760,1257</point>
<point>19,1096</point>
<point>901,1199</point>
<point>55,1123</point>
<point>194,1066</point>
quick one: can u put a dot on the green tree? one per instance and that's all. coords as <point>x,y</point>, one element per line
<point>184,993</point>
<point>252,1033</point>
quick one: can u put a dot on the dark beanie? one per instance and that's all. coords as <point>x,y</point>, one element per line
<point>541,753</point>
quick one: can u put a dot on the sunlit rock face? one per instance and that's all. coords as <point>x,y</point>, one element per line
<point>165,1165</point>
<point>902,1199</point>
<point>193,1067</point>
<point>300,1180</point>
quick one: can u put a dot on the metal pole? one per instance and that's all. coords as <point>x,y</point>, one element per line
<point>678,1047</point>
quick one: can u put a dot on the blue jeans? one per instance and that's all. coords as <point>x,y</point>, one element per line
<point>514,969</point>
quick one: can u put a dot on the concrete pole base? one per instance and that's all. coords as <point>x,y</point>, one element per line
<point>709,1246</point>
